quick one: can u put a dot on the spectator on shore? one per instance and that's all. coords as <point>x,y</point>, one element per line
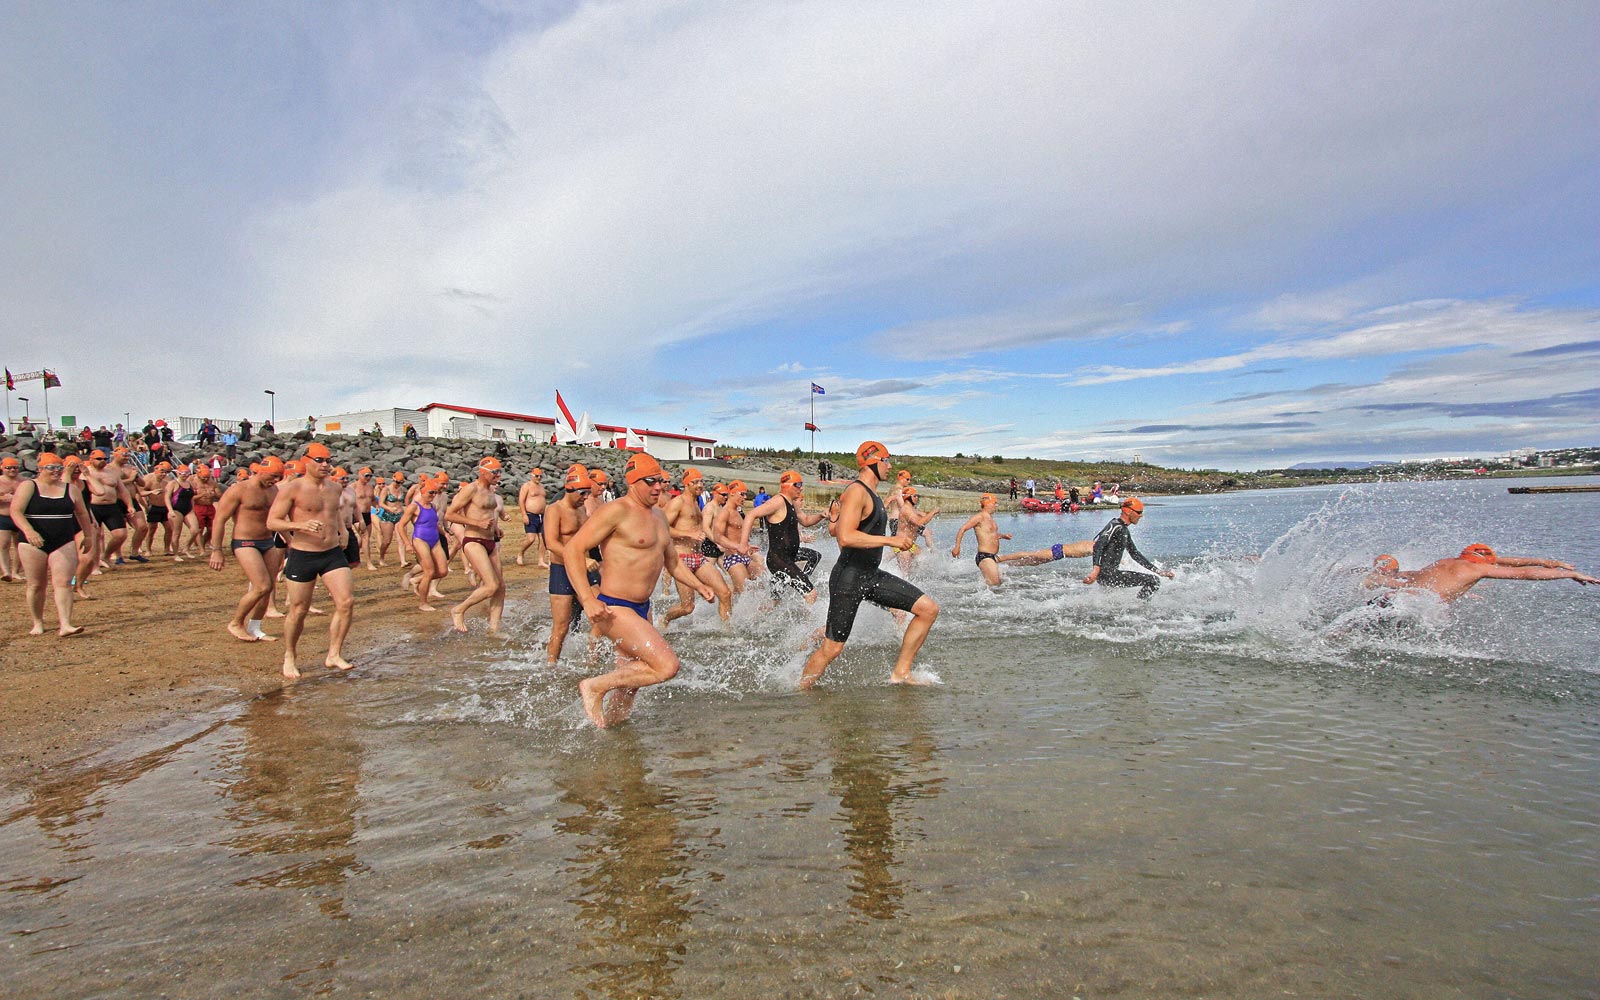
<point>267,428</point>
<point>230,444</point>
<point>244,429</point>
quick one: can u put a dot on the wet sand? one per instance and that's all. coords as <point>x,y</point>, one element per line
<point>154,649</point>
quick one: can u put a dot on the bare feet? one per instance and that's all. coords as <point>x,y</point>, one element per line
<point>619,705</point>
<point>337,663</point>
<point>909,678</point>
<point>519,560</point>
<point>37,630</point>
<point>426,607</point>
<point>71,630</point>
<point>458,620</point>
<point>314,611</point>
<point>264,637</point>
<point>593,705</point>
<point>241,633</point>
<point>273,613</point>
<point>290,671</point>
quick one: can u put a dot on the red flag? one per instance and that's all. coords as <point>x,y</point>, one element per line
<point>561,404</point>
<point>50,381</point>
<point>11,383</point>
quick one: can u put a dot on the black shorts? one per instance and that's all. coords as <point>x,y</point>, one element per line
<point>793,574</point>
<point>978,559</point>
<point>352,549</point>
<point>1146,583</point>
<point>848,586</point>
<point>156,515</point>
<point>305,567</point>
<point>366,517</point>
<point>6,524</point>
<point>110,516</point>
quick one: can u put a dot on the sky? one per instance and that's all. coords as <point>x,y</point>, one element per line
<point>1209,235</point>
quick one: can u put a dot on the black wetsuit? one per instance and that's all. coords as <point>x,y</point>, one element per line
<point>856,577</point>
<point>790,564</point>
<point>1113,540</point>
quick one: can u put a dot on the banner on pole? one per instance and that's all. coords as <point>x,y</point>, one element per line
<point>818,389</point>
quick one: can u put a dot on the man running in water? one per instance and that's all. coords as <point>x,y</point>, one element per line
<point>307,510</point>
<point>1115,539</point>
<point>685,522</point>
<point>476,508</point>
<point>636,543</point>
<point>726,529</point>
<point>246,504</point>
<point>562,521</point>
<point>790,564</point>
<point>1452,577</point>
<point>856,576</point>
<point>988,535</point>
<point>531,500</point>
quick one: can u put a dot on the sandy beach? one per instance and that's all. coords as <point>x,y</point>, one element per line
<point>154,648</point>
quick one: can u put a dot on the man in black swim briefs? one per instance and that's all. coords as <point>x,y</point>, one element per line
<point>306,510</point>
<point>856,576</point>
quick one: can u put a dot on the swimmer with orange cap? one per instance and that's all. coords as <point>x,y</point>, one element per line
<point>256,549</point>
<point>1112,542</point>
<point>686,521</point>
<point>1452,577</point>
<point>727,529</point>
<point>366,499</point>
<point>791,563</point>
<point>988,535</point>
<point>391,494</point>
<point>10,479</point>
<point>151,489</point>
<point>856,577</point>
<point>109,503</point>
<point>49,512</point>
<point>477,509</point>
<point>562,521</point>
<point>306,511</point>
<point>636,544</point>
<point>531,501</point>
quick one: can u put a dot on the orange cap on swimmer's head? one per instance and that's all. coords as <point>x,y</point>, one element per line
<point>1479,553</point>
<point>363,470</point>
<point>9,463</point>
<point>904,475</point>
<point>1134,504</point>
<point>988,500</point>
<point>871,453</point>
<point>317,449</point>
<point>163,466</point>
<point>599,477</point>
<point>721,489</point>
<point>909,493</point>
<point>641,466</point>
<point>341,473</point>
<point>790,478</point>
<point>489,463</point>
<point>692,475</point>
<point>51,458</point>
<point>578,478</point>
<point>97,453</point>
<point>69,461</point>
<point>737,486</point>
<point>202,472</point>
<point>272,465</point>
<point>399,477</point>
<point>536,472</point>
<point>1389,563</point>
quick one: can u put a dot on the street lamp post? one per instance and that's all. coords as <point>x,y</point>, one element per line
<point>272,399</point>
<point>24,401</point>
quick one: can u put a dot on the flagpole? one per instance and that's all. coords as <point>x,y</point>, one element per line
<point>811,394</point>
<point>47,400</point>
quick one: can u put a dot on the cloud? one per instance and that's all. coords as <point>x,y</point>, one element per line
<point>1586,347</point>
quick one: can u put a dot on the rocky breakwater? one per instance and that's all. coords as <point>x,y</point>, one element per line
<point>457,457</point>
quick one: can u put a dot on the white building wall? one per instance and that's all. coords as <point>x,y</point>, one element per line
<point>391,421</point>
<point>444,422</point>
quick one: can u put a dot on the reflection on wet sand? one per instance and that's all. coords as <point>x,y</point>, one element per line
<point>882,760</point>
<point>636,869</point>
<point>293,793</point>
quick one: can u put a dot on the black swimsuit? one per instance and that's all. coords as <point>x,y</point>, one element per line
<point>790,564</point>
<point>54,518</point>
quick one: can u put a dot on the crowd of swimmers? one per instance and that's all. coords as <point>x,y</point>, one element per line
<point>300,521</point>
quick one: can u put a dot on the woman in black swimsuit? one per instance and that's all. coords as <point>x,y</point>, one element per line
<point>49,513</point>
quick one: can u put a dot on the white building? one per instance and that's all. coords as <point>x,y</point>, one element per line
<point>449,421</point>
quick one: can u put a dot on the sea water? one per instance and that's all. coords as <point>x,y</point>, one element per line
<point>1246,786</point>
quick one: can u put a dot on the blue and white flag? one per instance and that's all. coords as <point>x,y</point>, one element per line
<point>817,389</point>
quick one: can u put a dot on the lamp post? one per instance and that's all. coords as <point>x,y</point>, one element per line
<point>272,400</point>
<point>24,401</point>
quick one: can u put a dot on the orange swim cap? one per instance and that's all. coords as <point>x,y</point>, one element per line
<point>535,472</point>
<point>9,463</point>
<point>202,472</point>
<point>1134,504</point>
<point>163,466</point>
<point>691,475</point>
<point>399,477</point>
<point>904,475</point>
<point>988,500</point>
<point>871,453</point>
<point>1386,562</point>
<point>51,458</point>
<point>317,449</point>
<point>272,465</point>
<point>119,451</point>
<point>578,478</point>
<point>1479,553</point>
<point>341,473</point>
<point>364,470</point>
<point>489,462</point>
<point>790,478</point>
<point>721,489</point>
<point>97,453</point>
<point>737,486</point>
<point>599,477</point>
<point>641,466</point>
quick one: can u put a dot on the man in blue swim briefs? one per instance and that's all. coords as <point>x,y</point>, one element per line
<point>562,520</point>
<point>530,498</point>
<point>856,576</point>
<point>635,544</point>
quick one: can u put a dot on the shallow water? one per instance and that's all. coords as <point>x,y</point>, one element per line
<point>1233,789</point>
